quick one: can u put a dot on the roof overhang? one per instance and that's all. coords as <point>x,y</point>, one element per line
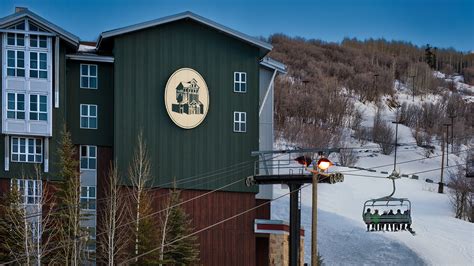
<point>91,58</point>
<point>25,13</point>
<point>273,64</point>
<point>264,46</point>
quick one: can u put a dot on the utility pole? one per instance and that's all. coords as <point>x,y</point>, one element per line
<point>440,184</point>
<point>452,132</point>
<point>447,143</point>
<point>413,87</point>
<point>396,138</point>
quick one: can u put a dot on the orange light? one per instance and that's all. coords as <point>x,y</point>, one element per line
<point>324,164</point>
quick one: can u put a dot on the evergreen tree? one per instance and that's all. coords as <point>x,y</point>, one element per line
<point>176,250</point>
<point>72,238</point>
<point>147,235</point>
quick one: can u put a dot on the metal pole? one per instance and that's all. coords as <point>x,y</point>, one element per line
<point>440,184</point>
<point>447,143</point>
<point>452,133</point>
<point>396,144</point>
<point>294,224</point>
<point>314,226</point>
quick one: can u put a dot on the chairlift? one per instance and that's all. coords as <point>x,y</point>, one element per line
<point>387,203</point>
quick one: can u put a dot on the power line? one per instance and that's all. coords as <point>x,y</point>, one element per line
<point>213,225</point>
<point>152,214</point>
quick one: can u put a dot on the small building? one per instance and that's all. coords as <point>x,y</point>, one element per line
<point>200,93</point>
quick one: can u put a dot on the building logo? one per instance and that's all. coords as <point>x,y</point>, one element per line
<point>186,98</point>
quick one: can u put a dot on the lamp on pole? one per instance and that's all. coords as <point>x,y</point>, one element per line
<point>318,168</point>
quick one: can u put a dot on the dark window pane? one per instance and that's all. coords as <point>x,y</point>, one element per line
<point>84,163</point>
<point>84,82</point>
<point>20,73</point>
<point>93,110</point>
<point>11,114</point>
<point>43,117</point>
<point>92,151</point>
<point>84,123</point>
<point>15,157</point>
<point>31,158</point>
<point>93,123</point>
<point>93,83</point>
<point>93,71</point>
<point>11,72</point>
<point>33,73</point>
<point>22,158</point>
<point>92,163</point>
<point>84,109</point>
<point>20,40</point>
<point>43,74</point>
<point>20,115</point>
<point>243,126</point>
<point>33,116</point>
<point>84,70</point>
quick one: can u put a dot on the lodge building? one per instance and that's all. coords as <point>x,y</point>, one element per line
<point>199,92</point>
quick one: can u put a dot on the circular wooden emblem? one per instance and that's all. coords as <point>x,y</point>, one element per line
<point>186,98</point>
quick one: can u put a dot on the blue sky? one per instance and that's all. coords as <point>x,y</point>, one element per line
<point>441,23</point>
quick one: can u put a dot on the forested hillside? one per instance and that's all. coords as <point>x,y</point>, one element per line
<point>316,100</point>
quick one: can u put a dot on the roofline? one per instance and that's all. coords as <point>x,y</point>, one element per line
<point>67,36</point>
<point>184,15</point>
<point>91,58</point>
<point>273,64</point>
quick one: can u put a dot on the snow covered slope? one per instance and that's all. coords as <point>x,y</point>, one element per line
<point>342,238</point>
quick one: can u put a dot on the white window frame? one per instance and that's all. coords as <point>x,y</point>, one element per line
<point>89,76</point>
<point>16,67</point>
<point>27,153</point>
<point>38,69</point>
<point>16,37</point>
<point>240,120</point>
<point>30,190</point>
<point>88,158</point>
<point>88,116</point>
<point>87,200</point>
<point>15,109</point>
<point>37,105</point>
<point>39,39</point>
<point>239,82</point>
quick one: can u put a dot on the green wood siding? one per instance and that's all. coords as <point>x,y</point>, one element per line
<point>144,61</point>
<point>102,97</point>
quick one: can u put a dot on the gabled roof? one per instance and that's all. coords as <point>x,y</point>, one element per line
<point>266,47</point>
<point>25,13</point>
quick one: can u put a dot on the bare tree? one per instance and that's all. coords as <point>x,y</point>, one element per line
<point>461,194</point>
<point>140,177</point>
<point>348,157</point>
<point>26,226</point>
<point>116,213</point>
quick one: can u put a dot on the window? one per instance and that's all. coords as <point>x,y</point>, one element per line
<point>16,39</point>
<point>38,41</point>
<point>240,82</point>
<point>88,76</point>
<point>34,27</point>
<point>88,198</point>
<point>89,116</point>
<point>88,157</point>
<point>240,122</point>
<point>38,107</point>
<point>30,190</point>
<point>15,105</point>
<point>15,63</point>
<point>38,65</point>
<point>28,150</point>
